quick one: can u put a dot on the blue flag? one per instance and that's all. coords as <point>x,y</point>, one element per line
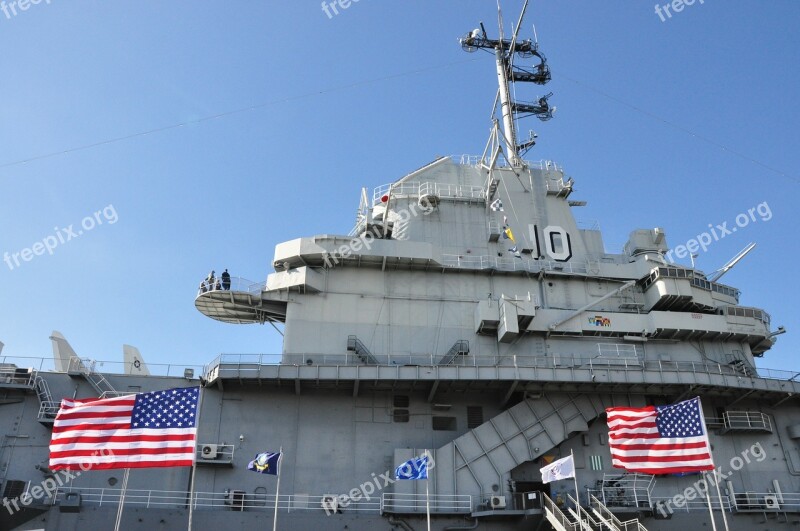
<point>265,463</point>
<point>416,468</point>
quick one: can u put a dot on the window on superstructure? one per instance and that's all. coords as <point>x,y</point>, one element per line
<point>444,424</point>
<point>400,412</point>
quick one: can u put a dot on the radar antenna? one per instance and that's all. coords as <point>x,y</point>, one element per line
<point>508,73</point>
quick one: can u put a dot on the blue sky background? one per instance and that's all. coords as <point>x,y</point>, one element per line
<point>360,100</point>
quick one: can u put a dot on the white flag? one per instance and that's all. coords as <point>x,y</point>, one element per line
<point>561,469</point>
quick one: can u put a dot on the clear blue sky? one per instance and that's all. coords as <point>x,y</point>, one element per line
<point>355,100</point>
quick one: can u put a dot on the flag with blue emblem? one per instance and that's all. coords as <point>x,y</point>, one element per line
<point>415,468</point>
<point>265,463</point>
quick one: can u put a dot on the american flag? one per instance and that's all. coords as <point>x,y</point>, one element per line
<point>659,439</point>
<point>155,429</point>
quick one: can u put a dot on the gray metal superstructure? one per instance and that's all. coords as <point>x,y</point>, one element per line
<point>467,315</point>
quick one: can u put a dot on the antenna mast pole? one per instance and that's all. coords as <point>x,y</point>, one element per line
<point>508,73</point>
<point>509,131</point>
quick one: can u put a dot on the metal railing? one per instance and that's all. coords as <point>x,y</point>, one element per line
<point>765,502</point>
<point>87,367</point>
<point>559,185</point>
<point>415,503</point>
<point>11,374</point>
<point>620,351</point>
<point>526,501</point>
<point>666,504</point>
<point>477,160</point>
<point>556,517</point>
<point>627,490</point>
<point>691,275</point>
<point>605,515</point>
<point>588,225</point>
<point>254,501</point>
<point>46,364</point>
<point>48,410</point>
<point>746,420</point>
<point>584,517</point>
<point>510,264</point>
<point>237,284</point>
<point>253,362</point>
<point>420,189</point>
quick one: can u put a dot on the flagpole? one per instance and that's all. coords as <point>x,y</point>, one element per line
<point>719,495</point>
<point>277,490</point>
<point>191,493</point>
<point>122,498</point>
<point>708,491</point>
<point>194,457</point>
<point>577,492</point>
<point>714,471</point>
<point>428,503</point>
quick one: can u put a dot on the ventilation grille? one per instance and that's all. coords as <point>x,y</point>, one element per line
<point>13,489</point>
<point>474,416</point>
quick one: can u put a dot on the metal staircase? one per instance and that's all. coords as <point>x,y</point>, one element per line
<point>355,345</point>
<point>48,408</point>
<point>599,519</point>
<point>608,519</point>
<point>460,348</point>
<point>86,369</point>
<point>486,455</point>
<point>584,518</point>
<point>556,516</point>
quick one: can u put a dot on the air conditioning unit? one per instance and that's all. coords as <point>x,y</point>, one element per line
<point>330,502</point>
<point>497,502</point>
<point>771,502</point>
<point>209,451</point>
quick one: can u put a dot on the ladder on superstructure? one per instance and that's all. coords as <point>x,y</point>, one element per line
<point>86,369</point>
<point>48,408</point>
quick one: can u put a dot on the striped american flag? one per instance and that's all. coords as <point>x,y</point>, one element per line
<point>659,439</point>
<point>157,429</point>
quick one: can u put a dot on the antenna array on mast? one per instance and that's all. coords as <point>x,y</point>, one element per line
<point>508,73</point>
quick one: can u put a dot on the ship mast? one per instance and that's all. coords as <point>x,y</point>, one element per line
<point>507,74</point>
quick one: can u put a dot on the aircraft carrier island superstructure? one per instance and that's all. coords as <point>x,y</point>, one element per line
<point>469,315</point>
